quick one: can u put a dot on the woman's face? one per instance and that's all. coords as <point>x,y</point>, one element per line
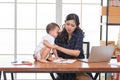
<point>70,26</point>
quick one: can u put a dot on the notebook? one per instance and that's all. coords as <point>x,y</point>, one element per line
<point>100,54</point>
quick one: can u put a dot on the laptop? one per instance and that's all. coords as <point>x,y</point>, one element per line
<point>100,54</point>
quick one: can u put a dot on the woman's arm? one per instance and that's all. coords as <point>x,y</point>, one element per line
<point>68,51</point>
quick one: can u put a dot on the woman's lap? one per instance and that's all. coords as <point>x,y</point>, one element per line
<point>83,76</point>
<point>73,76</point>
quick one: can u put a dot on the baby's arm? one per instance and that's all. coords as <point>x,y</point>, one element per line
<point>47,44</point>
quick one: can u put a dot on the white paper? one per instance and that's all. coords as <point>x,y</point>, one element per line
<point>64,60</point>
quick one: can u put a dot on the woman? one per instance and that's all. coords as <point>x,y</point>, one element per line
<point>69,44</point>
<point>70,40</point>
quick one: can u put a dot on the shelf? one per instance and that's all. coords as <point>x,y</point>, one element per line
<point>115,24</point>
<point>112,15</point>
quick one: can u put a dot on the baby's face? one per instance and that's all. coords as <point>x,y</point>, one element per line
<point>54,32</point>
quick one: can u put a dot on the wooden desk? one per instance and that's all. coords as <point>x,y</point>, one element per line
<point>64,68</point>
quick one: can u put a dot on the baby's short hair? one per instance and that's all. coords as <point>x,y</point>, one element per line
<point>51,26</point>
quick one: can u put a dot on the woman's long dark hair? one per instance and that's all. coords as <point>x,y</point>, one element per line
<point>64,34</point>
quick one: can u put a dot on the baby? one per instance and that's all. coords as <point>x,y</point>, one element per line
<point>46,46</point>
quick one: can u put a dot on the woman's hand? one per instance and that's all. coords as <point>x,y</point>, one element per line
<point>67,51</point>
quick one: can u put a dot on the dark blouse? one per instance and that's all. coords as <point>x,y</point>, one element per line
<point>75,43</point>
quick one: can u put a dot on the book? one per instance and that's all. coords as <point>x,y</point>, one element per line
<point>21,63</point>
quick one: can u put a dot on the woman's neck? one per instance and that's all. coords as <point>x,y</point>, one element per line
<point>69,36</point>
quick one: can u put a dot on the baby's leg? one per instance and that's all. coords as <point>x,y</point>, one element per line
<point>50,57</point>
<point>44,53</point>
